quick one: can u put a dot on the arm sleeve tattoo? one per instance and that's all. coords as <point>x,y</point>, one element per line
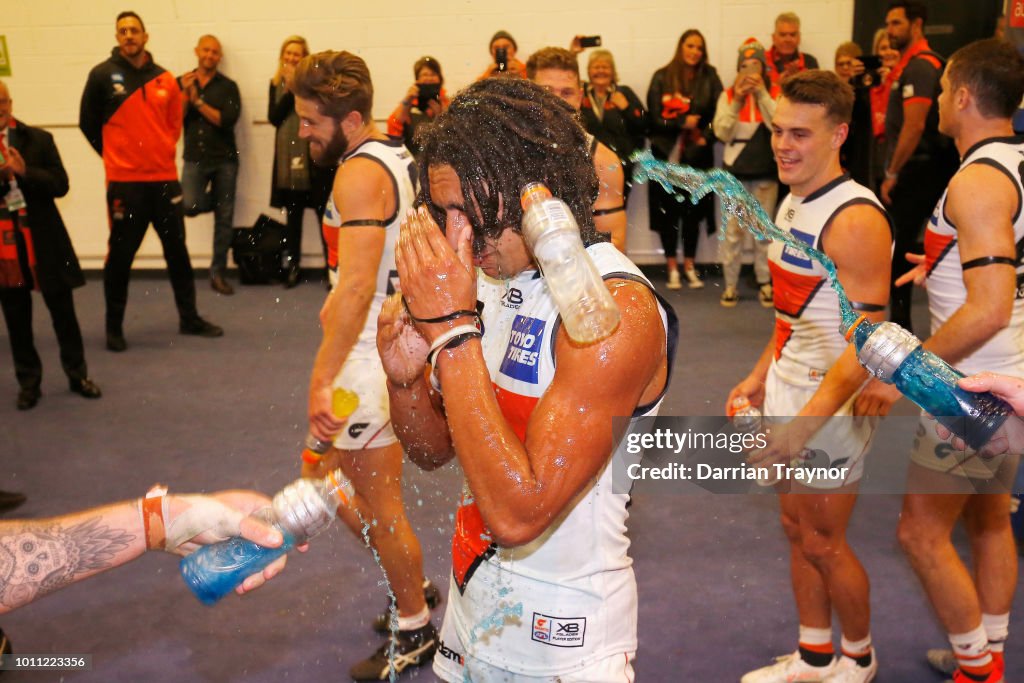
<point>37,558</point>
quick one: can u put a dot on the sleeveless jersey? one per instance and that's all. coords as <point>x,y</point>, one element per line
<point>401,168</point>
<point>946,290</point>
<point>572,587</point>
<point>807,337</point>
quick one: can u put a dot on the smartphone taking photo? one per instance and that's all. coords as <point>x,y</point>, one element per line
<point>590,41</point>
<point>428,92</point>
<point>501,59</point>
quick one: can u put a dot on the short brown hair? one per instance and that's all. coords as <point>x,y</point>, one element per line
<point>993,71</point>
<point>824,88</point>
<point>557,58</point>
<point>848,49</point>
<point>338,81</point>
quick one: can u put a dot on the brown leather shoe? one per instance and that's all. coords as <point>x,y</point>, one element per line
<point>220,285</point>
<point>84,387</point>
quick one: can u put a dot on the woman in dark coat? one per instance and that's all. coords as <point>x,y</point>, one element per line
<point>612,112</point>
<point>296,183</point>
<point>681,104</point>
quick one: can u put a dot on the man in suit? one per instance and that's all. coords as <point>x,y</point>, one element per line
<point>36,253</point>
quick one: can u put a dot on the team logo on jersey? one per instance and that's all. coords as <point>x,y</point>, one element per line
<point>524,344</point>
<point>117,78</point>
<point>557,631</point>
<point>358,428</point>
<point>513,298</point>
<point>908,91</point>
<point>794,256</point>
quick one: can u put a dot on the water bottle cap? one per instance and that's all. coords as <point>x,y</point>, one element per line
<point>737,404</point>
<point>533,192</point>
<point>301,510</point>
<point>886,349</point>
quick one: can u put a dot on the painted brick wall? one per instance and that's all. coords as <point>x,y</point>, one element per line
<point>54,43</point>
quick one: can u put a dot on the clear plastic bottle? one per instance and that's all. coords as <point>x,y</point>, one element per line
<point>300,511</point>
<point>895,356</point>
<point>747,419</point>
<point>588,311</point>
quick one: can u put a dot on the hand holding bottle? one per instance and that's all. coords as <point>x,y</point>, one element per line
<point>1010,436</point>
<point>298,512</point>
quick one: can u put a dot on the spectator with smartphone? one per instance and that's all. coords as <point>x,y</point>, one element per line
<point>424,100</point>
<point>887,73</point>
<point>503,51</point>
<point>855,154</point>
<point>743,120</point>
<point>612,112</point>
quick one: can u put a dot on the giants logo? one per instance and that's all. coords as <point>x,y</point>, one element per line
<point>557,631</point>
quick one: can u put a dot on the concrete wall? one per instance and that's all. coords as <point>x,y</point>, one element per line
<point>54,43</point>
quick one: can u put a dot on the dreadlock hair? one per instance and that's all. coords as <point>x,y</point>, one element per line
<point>339,82</point>
<point>500,134</point>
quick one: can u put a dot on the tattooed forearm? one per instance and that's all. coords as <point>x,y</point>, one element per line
<point>38,557</point>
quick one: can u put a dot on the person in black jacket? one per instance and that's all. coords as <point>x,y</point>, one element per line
<point>297,183</point>
<point>44,258</point>
<point>611,112</point>
<point>681,104</point>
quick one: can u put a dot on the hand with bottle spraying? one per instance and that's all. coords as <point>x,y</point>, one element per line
<point>299,511</point>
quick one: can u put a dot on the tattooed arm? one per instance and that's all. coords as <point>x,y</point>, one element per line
<point>39,556</point>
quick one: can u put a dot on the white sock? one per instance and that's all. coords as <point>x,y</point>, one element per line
<point>997,628</point>
<point>817,641</point>
<point>971,649</point>
<point>856,648</point>
<point>415,621</point>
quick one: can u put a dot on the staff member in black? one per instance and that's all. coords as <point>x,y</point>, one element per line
<point>43,257</point>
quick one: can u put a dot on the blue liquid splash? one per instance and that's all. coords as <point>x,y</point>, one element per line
<point>741,204</point>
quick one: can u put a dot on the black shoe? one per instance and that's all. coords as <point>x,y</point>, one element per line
<point>84,387</point>
<point>220,285</point>
<point>382,622</point>
<point>116,342</point>
<point>8,501</point>
<point>412,648</point>
<point>28,398</point>
<point>291,278</point>
<point>199,327</point>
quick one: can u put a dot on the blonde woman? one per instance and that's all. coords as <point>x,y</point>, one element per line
<point>296,183</point>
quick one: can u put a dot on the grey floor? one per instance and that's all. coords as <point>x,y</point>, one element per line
<point>201,415</point>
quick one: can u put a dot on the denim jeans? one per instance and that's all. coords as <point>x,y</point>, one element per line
<point>210,186</point>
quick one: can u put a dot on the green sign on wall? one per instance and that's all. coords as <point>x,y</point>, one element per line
<point>5,59</point>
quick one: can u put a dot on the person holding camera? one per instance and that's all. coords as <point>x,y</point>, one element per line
<point>862,74</point>
<point>424,100</point>
<point>503,51</point>
<point>742,121</point>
